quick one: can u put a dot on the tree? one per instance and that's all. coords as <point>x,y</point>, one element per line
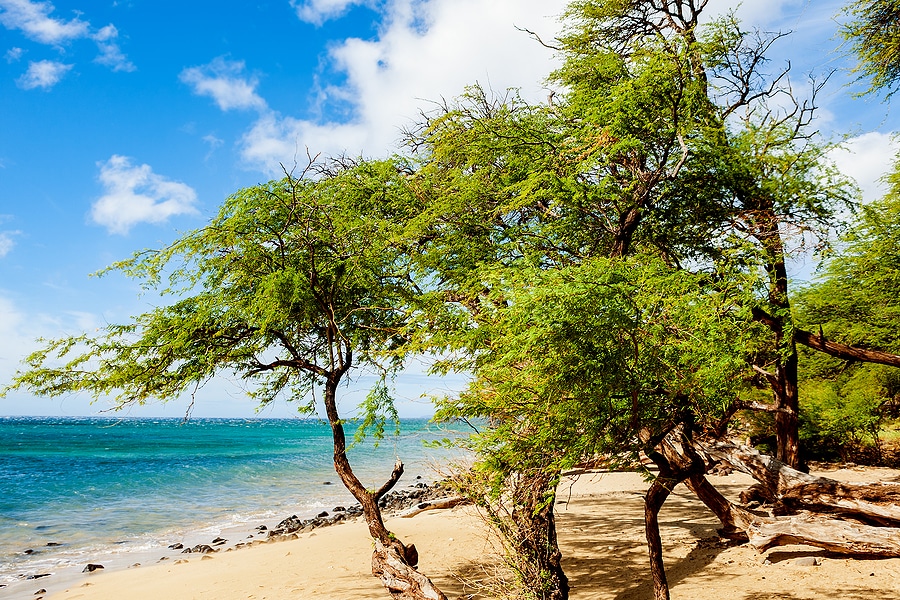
<point>610,358</point>
<point>291,286</point>
<point>874,38</point>
<point>855,302</point>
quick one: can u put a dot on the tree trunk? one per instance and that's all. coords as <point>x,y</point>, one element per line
<point>393,562</point>
<point>732,525</point>
<point>534,530</point>
<point>653,501</point>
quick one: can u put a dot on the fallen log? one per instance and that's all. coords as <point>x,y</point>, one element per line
<point>877,503</point>
<point>833,535</point>
<point>439,503</point>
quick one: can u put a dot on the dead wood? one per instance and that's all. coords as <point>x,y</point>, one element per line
<point>835,535</point>
<point>876,503</point>
<point>391,564</point>
<point>439,503</point>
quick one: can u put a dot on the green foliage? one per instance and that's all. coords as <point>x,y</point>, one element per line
<point>582,361</point>
<point>842,417</point>
<point>855,301</point>
<point>377,408</point>
<point>874,35</point>
<point>292,283</point>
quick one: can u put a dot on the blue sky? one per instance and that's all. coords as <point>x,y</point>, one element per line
<point>125,122</point>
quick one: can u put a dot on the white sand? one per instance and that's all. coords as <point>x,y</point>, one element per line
<point>600,520</point>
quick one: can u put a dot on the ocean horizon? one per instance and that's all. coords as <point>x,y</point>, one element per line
<point>78,490</point>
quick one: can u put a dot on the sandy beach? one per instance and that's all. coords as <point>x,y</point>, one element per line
<point>601,536</point>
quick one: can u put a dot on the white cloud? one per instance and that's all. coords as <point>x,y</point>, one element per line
<point>6,242</point>
<point>135,194</point>
<point>43,74</point>
<point>867,159</point>
<point>110,54</point>
<point>34,20</point>
<point>427,50</point>
<point>14,55</point>
<point>319,11</point>
<point>223,81</point>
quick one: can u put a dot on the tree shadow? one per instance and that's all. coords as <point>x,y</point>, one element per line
<point>603,543</point>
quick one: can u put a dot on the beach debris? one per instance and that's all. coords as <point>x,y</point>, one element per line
<point>91,567</point>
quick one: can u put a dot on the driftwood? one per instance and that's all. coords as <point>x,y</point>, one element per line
<point>838,536</point>
<point>439,503</point>
<point>875,503</point>
<point>871,503</point>
<point>401,579</point>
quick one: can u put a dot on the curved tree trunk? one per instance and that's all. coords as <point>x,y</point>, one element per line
<point>393,562</point>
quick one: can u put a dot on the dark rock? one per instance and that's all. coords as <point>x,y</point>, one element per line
<point>163,558</point>
<point>29,551</point>
<point>177,546</point>
<point>326,483</point>
<point>338,509</point>
<point>90,568</point>
<point>219,541</point>
<point>324,513</point>
<point>418,477</point>
<point>40,591</point>
<point>53,544</point>
<point>289,525</point>
<point>262,528</point>
<point>39,576</point>
<point>201,549</point>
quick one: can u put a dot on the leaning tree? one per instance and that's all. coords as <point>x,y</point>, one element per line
<point>291,286</point>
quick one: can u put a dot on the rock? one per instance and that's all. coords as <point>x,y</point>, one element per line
<point>200,549</point>
<point>39,576</point>
<point>326,483</point>
<point>53,544</point>
<point>90,568</point>
<point>324,513</point>
<point>207,557</point>
<point>40,591</point>
<point>163,558</point>
<point>338,509</point>
<point>178,546</point>
<point>134,566</point>
<point>29,551</point>
<point>808,561</point>
<point>262,528</point>
<point>219,541</point>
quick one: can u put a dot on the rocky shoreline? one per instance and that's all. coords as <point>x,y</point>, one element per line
<point>287,529</point>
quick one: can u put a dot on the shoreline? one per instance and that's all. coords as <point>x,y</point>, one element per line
<point>207,540</point>
<point>600,526</point>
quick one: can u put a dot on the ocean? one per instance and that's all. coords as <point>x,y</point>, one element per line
<point>80,490</point>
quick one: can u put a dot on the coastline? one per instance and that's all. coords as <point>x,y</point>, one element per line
<point>206,541</point>
<point>601,536</point>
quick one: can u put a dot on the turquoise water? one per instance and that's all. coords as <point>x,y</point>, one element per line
<point>73,489</point>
